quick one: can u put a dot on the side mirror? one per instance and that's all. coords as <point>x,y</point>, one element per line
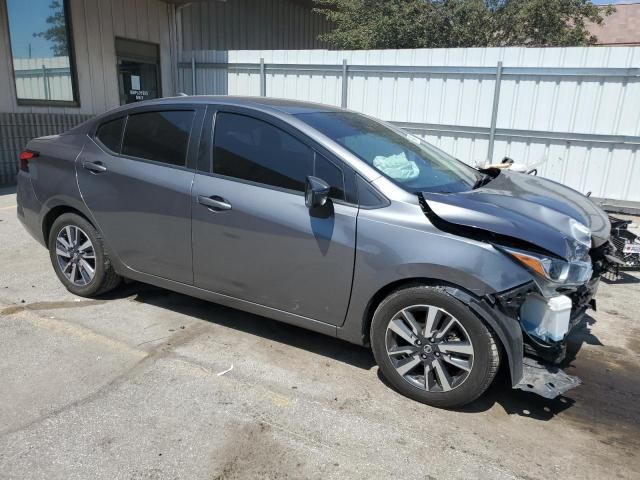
<point>316,192</point>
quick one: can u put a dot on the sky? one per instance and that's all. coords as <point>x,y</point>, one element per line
<point>27,17</point>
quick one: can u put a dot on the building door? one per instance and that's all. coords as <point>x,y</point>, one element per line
<point>138,70</point>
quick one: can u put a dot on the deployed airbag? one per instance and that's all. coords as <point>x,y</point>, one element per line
<point>397,166</point>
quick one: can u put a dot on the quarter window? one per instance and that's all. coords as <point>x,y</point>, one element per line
<point>250,149</point>
<point>159,136</point>
<point>43,64</point>
<point>110,134</point>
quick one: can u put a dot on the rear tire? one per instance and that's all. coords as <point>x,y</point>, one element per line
<point>432,348</point>
<point>78,257</point>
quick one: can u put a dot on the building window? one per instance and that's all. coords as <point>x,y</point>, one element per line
<point>42,51</point>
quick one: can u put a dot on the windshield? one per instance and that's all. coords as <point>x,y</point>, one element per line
<point>406,159</point>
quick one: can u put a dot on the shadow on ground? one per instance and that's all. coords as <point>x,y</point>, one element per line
<point>604,400</point>
<point>252,324</point>
<point>7,190</point>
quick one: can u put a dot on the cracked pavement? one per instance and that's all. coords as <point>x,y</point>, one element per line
<point>136,385</point>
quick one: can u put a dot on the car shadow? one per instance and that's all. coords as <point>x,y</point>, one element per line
<point>7,190</point>
<point>512,401</point>
<point>527,404</point>
<point>623,278</point>
<point>292,335</point>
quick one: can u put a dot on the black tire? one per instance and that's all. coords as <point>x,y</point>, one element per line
<point>105,277</point>
<point>486,357</point>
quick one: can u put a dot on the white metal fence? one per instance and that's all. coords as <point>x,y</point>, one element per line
<point>574,111</point>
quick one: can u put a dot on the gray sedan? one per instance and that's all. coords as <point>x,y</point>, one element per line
<point>330,220</point>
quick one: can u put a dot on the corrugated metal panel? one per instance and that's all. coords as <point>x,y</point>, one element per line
<point>528,104</point>
<point>250,24</point>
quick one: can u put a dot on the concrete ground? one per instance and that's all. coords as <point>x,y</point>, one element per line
<point>133,386</point>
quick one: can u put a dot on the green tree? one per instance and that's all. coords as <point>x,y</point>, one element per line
<point>365,24</point>
<point>57,31</point>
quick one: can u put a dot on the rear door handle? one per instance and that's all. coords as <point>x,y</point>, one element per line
<point>214,202</point>
<point>95,167</point>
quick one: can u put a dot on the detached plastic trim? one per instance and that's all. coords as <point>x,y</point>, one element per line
<point>547,381</point>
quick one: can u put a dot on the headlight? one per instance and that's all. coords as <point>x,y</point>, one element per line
<point>555,270</point>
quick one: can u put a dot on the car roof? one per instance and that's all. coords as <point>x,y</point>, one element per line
<point>269,105</point>
<point>274,106</point>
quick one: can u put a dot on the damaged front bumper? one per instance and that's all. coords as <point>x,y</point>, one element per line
<point>546,380</point>
<point>540,371</point>
<point>532,362</point>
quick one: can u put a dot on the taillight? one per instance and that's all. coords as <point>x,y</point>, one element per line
<point>25,157</point>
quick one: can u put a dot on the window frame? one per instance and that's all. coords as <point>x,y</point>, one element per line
<point>205,164</point>
<point>35,102</point>
<point>192,143</point>
<point>104,122</point>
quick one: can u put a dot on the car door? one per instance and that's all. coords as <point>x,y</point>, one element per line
<point>135,177</point>
<point>254,238</point>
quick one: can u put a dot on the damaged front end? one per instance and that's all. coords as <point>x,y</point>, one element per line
<point>541,353</point>
<point>564,244</point>
<point>547,316</point>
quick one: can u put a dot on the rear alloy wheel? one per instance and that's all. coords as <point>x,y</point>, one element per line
<point>433,348</point>
<point>78,257</point>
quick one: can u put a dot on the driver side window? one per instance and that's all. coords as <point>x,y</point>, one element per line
<point>253,150</point>
<point>250,149</point>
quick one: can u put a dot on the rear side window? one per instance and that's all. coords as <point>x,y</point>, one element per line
<point>250,149</point>
<point>110,133</point>
<point>159,136</point>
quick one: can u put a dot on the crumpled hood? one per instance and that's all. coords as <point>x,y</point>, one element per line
<point>529,208</point>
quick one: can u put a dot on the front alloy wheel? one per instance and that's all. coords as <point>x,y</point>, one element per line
<point>432,347</point>
<point>429,348</point>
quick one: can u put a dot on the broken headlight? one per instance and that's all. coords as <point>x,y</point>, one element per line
<point>554,272</point>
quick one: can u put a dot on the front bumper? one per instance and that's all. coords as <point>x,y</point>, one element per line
<point>546,380</point>
<point>535,368</point>
<point>548,351</point>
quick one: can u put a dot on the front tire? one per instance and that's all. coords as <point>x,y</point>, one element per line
<point>79,258</point>
<point>432,348</point>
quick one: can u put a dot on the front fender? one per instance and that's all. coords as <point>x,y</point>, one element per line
<point>399,245</point>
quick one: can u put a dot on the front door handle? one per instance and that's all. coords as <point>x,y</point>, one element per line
<point>95,167</point>
<point>214,202</point>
